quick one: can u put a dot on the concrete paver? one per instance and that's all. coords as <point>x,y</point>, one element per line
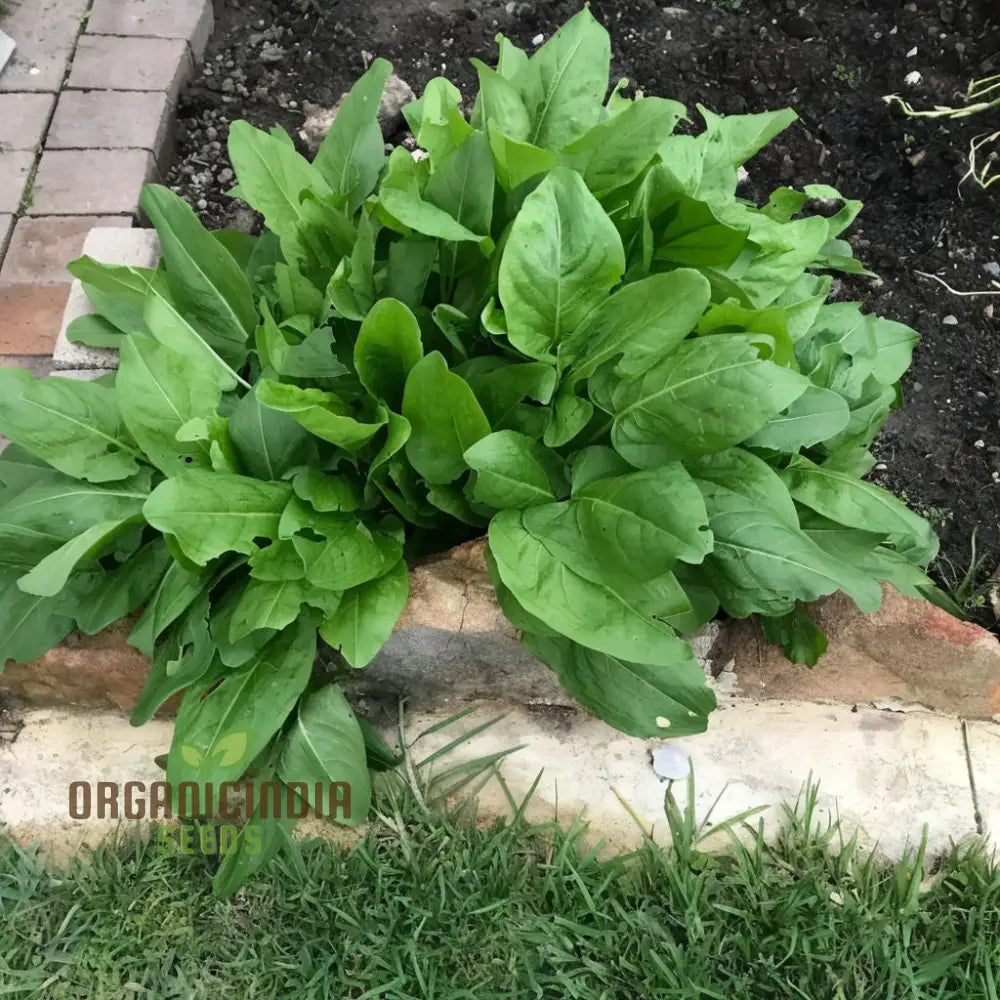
<point>91,181</point>
<point>6,228</point>
<point>110,119</point>
<point>110,245</point>
<point>191,20</point>
<point>108,62</point>
<point>45,32</point>
<point>23,118</point>
<point>15,169</point>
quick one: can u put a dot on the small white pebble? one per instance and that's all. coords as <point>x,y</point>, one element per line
<point>881,467</point>
<point>913,78</point>
<point>911,53</point>
<point>202,204</point>
<point>34,71</point>
<point>537,40</point>
<point>979,443</point>
<point>950,321</point>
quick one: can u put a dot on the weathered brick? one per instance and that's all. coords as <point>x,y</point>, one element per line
<point>40,248</point>
<point>23,118</point>
<point>191,20</point>
<point>91,181</point>
<point>107,62</point>
<point>44,31</point>
<point>110,245</point>
<point>30,316</point>
<point>15,168</point>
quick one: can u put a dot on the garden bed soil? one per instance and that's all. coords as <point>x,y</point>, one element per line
<point>832,62</point>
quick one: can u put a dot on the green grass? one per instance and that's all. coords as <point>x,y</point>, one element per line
<point>428,906</point>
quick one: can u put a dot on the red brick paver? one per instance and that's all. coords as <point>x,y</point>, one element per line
<point>30,315</point>
<point>41,248</point>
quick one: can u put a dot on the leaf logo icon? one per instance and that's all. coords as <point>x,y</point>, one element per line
<point>231,749</point>
<point>193,757</point>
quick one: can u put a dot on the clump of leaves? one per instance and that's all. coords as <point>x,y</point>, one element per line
<point>560,328</point>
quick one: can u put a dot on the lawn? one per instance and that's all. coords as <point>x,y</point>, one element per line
<point>429,906</point>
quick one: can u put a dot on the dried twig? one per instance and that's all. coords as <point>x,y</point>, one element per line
<point>955,291</point>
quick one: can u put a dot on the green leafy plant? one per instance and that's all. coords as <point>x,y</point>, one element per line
<point>559,328</point>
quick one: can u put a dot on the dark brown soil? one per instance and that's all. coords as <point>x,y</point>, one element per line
<point>832,61</point>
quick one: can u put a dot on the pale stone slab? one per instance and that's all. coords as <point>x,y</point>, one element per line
<point>57,747</point>
<point>109,245</point>
<point>44,32</point>
<point>984,761</point>
<point>884,774</point>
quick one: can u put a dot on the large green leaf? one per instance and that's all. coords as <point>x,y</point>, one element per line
<point>29,625</point>
<point>564,83</point>
<point>321,413</point>
<point>174,594</point>
<point>615,151</point>
<point>117,292</point>
<point>401,195</point>
<point>848,500</point>
<point>338,550</point>
<point>73,425</point>
<point>516,162</point>
<point>639,324</point>
<point>636,698</point>
<point>102,598</point>
<point>352,152</point>
<point>818,414</point>
<point>499,104</point>
<point>207,284</point>
<point>51,574</point>
<point>181,658</point>
<point>445,420</point>
<point>463,187</point>
<point>515,471</point>
<point>212,513</point>
<point>39,519</point>
<point>762,564</point>
<point>648,519</point>
<point>584,611</point>
<point>561,259</point>
<point>223,724</point>
<point>366,615</point>
<point>158,392</point>
<point>708,395</point>
<point>326,746</point>
<point>167,325</point>
<point>268,443</point>
<point>266,604</point>
<point>388,346</point>
<point>291,194</point>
